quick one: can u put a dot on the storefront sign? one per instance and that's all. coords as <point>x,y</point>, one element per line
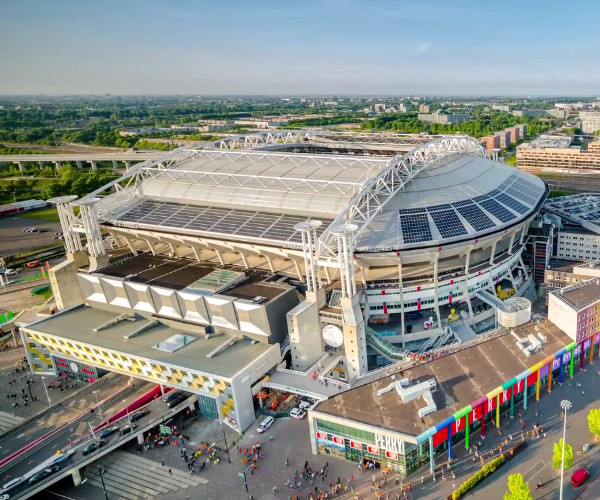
<point>356,445</point>
<point>389,443</point>
<point>587,344</point>
<point>338,440</point>
<point>373,450</point>
<point>321,435</point>
<point>391,455</point>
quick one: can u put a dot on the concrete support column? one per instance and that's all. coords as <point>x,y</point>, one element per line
<point>571,362</point>
<point>41,164</point>
<point>94,165</point>
<point>483,420</point>
<point>431,464</point>
<point>537,385</point>
<point>127,164</point>
<point>450,442</point>
<point>498,411</point>
<point>76,475</point>
<point>140,438</point>
<point>493,252</point>
<point>560,370</point>
<point>115,164</point>
<point>79,164</point>
<point>21,166</point>
<point>58,164</point>
<point>510,245</point>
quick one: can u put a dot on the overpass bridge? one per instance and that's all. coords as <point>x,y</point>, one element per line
<point>126,157</point>
<point>76,464</point>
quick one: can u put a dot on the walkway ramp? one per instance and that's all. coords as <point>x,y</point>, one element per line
<point>383,347</point>
<point>462,331</point>
<point>490,299</point>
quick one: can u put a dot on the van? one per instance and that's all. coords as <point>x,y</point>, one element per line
<point>171,395</point>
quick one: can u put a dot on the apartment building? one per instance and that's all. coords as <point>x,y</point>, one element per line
<point>590,121</point>
<point>561,273</point>
<point>491,142</point>
<point>577,243</point>
<point>559,155</point>
<point>443,119</point>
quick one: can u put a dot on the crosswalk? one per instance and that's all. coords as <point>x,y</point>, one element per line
<point>8,421</point>
<point>133,477</point>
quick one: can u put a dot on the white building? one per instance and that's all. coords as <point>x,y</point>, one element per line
<point>590,121</point>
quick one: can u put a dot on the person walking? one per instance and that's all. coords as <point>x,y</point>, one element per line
<point>170,472</point>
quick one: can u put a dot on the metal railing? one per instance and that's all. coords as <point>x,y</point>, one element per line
<point>383,346</point>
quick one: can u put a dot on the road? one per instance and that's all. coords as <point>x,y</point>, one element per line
<point>70,421</point>
<point>84,156</point>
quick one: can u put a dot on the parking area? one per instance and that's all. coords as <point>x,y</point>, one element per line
<point>14,239</point>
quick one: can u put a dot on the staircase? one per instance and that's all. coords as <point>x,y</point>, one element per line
<point>439,339</point>
<point>384,347</point>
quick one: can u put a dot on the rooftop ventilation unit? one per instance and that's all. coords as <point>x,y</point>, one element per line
<point>259,299</point>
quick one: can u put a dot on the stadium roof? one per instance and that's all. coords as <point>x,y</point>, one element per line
<point>445,190</point>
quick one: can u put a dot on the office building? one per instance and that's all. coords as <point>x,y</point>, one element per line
<point>556,152</point>
<point>443,119</point>
<point>590,121</point>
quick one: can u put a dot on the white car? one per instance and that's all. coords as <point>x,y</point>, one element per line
<point>62,457</point>
<point>265,424</point>
<point>297,413</point>
<point>10,272</point>
<point>305,405</point>
<point>30,230</point>
<point>13,484</point>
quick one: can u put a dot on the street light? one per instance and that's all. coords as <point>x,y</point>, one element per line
<point>226,447</point>
<point>93,434</point>
<point>565,404</point>
<point>98,403</point>
<point>46,389</point>
<point>101,472</point>
<point>128,416</point>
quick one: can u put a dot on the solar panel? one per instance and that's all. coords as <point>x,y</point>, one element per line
<point>475,217</point>
<point>403,211</point>
<point>448,223</point>
<point>481,198</point>
<point>415,228</point>
<point>497,210</point>
<point>462,203</point>
<point>510,202</point>
<point>439,207</point>
<point>519,194</point>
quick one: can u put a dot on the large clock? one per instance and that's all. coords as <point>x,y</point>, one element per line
<point>333,336</point>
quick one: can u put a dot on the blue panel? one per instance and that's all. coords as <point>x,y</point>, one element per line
<point>448,223</point>
<point>498,210</point>
<point>474,216</point>
<point>415,228</point>
<point>510,202</point>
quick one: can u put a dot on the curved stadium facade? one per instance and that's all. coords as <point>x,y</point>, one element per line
<point>401,242</point>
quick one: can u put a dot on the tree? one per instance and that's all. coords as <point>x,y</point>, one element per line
<point>594,422</point>
<point>557,455</point>
<point>518,489</point>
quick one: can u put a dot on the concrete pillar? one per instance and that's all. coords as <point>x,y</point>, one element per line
<point>58,164</point>
<point>431,465</point>
<point>94,165</point>
<point>21,166</point>
<point>41,164</point>
<point>115,164</point>
<point>79,164</point>
<point>76,475</point>
<point>140,438</point>
<point>127,164</point>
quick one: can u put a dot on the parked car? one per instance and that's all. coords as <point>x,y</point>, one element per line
<point>265,424</point>
<point>305,405</point>
<point>175,401</point>
<point>92,447</point>
<point>109,431</point>
<point>9,272</point>
<point>34,263</point>
<point>139,414</point>
<point>127,429</point>
<point>171,395</point>
<point>297,413</point>
<point>43,474</point>
<point>13,484</point>
<point>63,457</point>
<point>29,229</point>
<point>579,477</point>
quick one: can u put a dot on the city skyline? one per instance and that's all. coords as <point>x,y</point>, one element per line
<point>339,47</point>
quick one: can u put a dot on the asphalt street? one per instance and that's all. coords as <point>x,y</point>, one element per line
<point>73,418</point>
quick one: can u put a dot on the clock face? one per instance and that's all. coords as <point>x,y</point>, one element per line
<point>74,367</point>
<point>333,336</point>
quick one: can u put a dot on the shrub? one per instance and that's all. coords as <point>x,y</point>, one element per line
<point>479,476</point>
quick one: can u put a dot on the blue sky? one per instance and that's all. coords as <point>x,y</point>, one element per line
<point>464,47</point>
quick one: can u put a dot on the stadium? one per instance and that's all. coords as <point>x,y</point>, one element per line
<point>347,250</point>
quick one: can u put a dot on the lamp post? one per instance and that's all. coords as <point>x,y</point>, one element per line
<point>128,416</point>
<point>98,403</point>
<point>93,434</point>
<point>46,389</point>
<point>226,447</point>
<point>565,404</point>
<point>101,472</point>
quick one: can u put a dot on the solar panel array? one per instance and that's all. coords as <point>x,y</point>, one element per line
<point>525,191</point>
<point>245,223</point>
<point>475,216</point>
<point>510,202</point>
<point>415,228</point>
<point>448,223</point>
<point>497,210</point>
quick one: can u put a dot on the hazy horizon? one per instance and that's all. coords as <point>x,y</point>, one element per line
<point>299,48</point>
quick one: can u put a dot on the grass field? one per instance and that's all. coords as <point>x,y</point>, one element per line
<point>49,214</point>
